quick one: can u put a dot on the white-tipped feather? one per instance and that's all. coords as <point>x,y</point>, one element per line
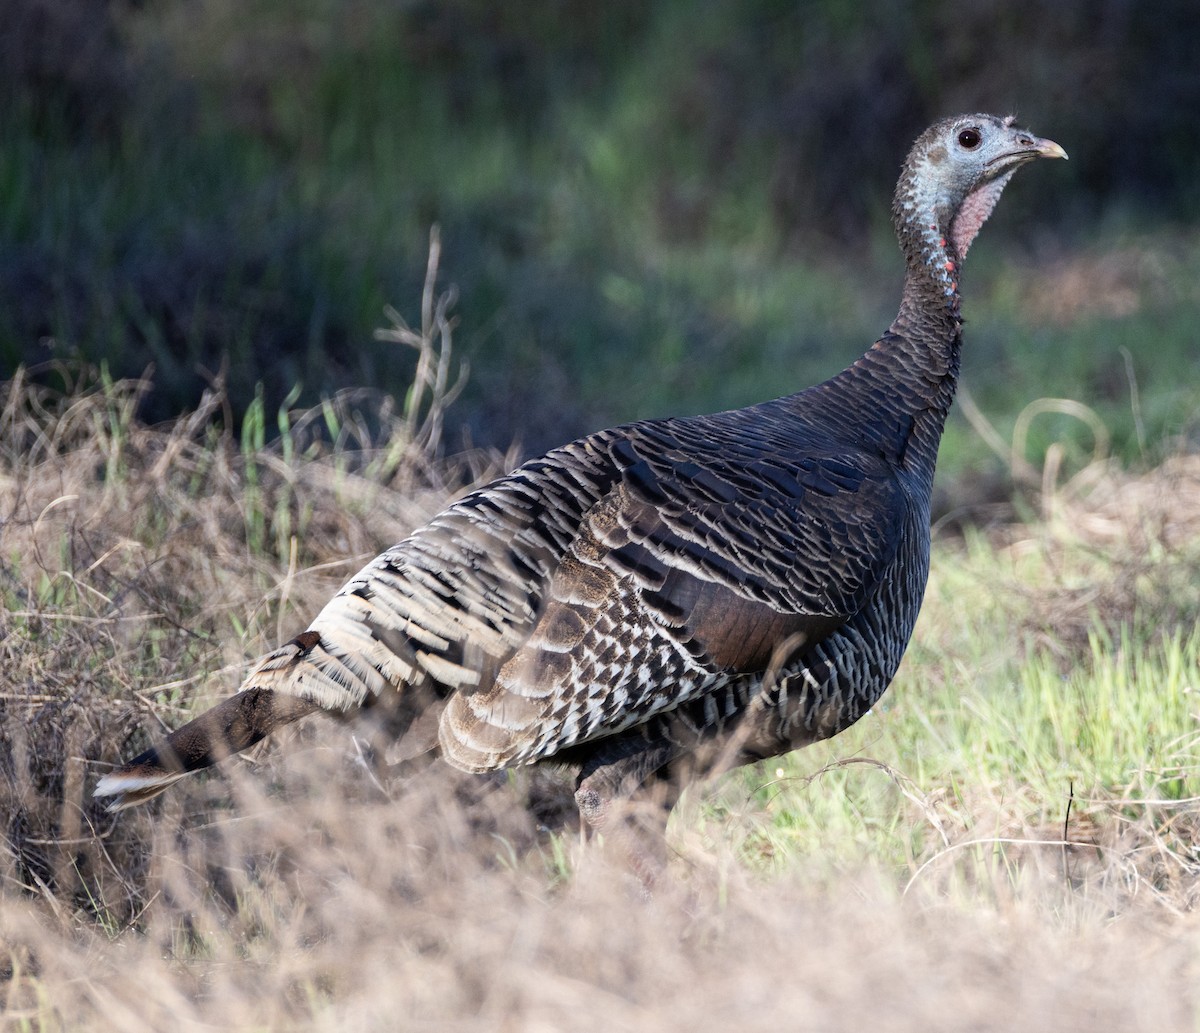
<point>129,790</point>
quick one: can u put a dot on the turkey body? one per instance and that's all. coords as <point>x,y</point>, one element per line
<point>671,597</point>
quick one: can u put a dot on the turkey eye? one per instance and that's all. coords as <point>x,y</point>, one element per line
<point>969,138</point>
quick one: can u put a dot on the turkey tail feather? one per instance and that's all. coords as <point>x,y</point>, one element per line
<point>230,727</point>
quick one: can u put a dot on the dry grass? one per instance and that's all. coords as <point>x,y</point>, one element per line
<point>140,567</point>
<point>1114,284</point>
<point>1122,551</point>
<point>407,916</point>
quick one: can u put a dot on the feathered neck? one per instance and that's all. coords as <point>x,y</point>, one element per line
<point>907,379</point>
<point>935,228</point>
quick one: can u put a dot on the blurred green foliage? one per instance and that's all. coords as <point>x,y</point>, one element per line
<point>647,207</point>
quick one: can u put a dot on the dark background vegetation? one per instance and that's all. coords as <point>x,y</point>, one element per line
<point>646,206</point>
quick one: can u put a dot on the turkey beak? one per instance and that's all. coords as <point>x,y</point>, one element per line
<point>1048,149</point>
<point>1026,148</point>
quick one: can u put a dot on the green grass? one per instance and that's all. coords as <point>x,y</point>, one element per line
<point>989,731</point>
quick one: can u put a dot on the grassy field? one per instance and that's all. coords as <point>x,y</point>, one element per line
<point>1007,841</point>
<point>649,209</point>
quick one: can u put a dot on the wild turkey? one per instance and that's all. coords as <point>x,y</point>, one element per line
<point>667,595</point>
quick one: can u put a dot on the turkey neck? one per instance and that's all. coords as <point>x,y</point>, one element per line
<point>896,397</point>
<point>899,393</point>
